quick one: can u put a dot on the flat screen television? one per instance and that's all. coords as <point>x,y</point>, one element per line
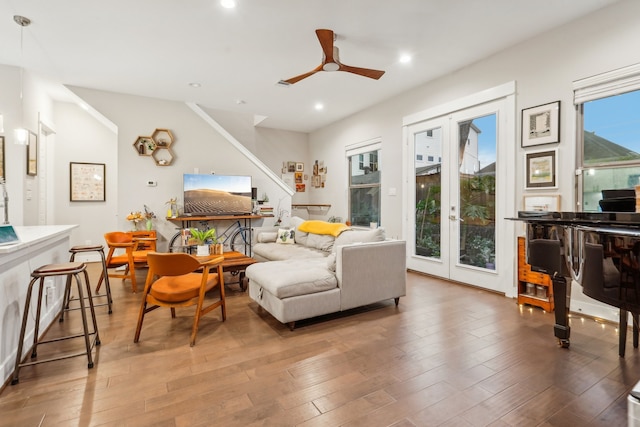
<point>210,195</point>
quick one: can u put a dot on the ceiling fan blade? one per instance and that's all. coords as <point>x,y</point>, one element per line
<point>325,37</point>
<point>296,79</point>
<point>366,72</point>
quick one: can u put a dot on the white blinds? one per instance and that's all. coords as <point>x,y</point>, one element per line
<point>611,83</point>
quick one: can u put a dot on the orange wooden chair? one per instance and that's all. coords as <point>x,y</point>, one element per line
<point>181,280</point>
<point>123,251</point>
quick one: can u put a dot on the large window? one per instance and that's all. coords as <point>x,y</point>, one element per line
<point>609,134</point>
<point>364,187</point>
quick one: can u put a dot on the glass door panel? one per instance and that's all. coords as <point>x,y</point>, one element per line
<point>428,186</point>
<point>477,182</point>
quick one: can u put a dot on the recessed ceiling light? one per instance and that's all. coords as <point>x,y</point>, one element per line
<point>228,4</point>
<point>195,84</point>
<point>405,58</point>
<point>319,106</point>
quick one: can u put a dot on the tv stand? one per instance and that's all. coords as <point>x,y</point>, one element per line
<point>186,220</point>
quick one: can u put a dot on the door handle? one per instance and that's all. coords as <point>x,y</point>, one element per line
<point>454,218</point>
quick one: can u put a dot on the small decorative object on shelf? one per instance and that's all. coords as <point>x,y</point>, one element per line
<point>172,212</point>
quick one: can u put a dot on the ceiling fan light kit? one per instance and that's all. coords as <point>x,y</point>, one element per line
<point>331,61</point>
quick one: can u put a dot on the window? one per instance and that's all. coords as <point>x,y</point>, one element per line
<point>364,185</point>
<point>608,108</point>
<point>419,157</point>
<point>430,158</point>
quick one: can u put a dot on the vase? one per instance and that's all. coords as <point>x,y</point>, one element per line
<point>149,224</point>
<point>134,225</point>
<point>202,250</point>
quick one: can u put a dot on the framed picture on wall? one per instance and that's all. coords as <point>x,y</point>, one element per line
<point>542,202</point>
<point>540,168</point>
<point>541,124</point>
<point>87,182</point>
<point>32,154</point>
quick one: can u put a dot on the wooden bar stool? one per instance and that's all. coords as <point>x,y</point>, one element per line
<point>71,269</point>
<point>67,292</point>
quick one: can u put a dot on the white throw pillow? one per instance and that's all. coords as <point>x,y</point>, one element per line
<point>286,236</point>
<point>267,236</point>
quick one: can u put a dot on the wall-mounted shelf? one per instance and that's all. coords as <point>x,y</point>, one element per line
<point>158,146</point>
<point>144,145</point>
<point>316,209</point>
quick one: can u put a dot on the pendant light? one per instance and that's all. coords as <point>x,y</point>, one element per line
<point>21,132</point>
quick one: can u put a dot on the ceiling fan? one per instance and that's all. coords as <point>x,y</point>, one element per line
<point>331,61</point>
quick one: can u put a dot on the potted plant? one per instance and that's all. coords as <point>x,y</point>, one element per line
<point>202,239</point>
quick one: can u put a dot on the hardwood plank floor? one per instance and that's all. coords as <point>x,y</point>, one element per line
<point>449,355</point>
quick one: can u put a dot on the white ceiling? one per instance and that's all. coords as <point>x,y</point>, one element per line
<point>157,47</point>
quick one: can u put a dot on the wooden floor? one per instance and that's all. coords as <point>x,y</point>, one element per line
<point>449,355</point>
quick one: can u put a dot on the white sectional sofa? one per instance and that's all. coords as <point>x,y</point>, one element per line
<point>319,274</point>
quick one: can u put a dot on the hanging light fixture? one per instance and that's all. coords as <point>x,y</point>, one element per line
<point>21,132</point>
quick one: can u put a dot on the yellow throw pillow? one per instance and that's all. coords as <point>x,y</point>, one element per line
<point>323,227</point>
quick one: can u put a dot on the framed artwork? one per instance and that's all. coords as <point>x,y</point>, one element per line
<point>291,167</point>
<point>542,202</point>
<point>32,154</point>
<point>87,182</point>
<point>299,167</point>
<point>298,177</point>
<point>541,124</point>
<point>2,163</point>
<point>540,169</point>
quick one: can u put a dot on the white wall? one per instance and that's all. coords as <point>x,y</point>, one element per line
<point>544,69</point>
<point>196,146</point>
<point>83,139</point>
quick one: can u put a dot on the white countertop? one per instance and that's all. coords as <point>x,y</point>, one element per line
<point>31,235</point>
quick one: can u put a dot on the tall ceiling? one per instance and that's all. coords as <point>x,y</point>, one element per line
<point>156,48</point>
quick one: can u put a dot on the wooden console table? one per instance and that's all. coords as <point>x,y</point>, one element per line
<point>245,220</point>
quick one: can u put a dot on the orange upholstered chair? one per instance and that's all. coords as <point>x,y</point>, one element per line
<point>123,251</point>
<point>181,280</point>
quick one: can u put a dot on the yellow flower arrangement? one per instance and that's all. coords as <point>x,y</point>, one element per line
<point>135,217</point>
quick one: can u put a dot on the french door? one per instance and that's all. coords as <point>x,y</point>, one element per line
<point>460,193</point>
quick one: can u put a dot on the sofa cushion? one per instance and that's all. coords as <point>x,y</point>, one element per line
<point>323,242</point>
<point>277,252</point>
<point>286,236</point>
<point>359,236</point>
<point>285,279</point>
<point>301,236</point>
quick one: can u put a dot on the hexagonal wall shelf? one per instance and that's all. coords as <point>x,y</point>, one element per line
<point>163,156</point>
<point>157,146</point>
<point>144,145</point>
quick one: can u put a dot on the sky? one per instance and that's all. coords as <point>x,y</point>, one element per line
<point>486,139</point>
<point>616,118</point>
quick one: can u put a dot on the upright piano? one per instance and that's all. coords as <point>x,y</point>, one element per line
<point>598,250</point>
